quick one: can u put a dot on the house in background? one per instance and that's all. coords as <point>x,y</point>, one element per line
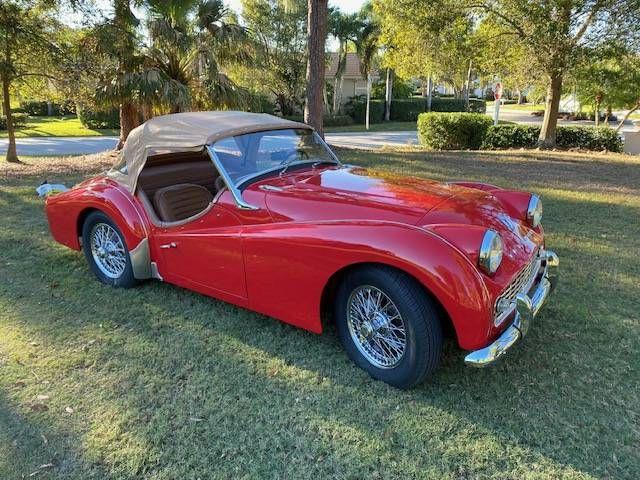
<point>352,83</point>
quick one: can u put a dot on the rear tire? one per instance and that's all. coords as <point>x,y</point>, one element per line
<point>388,325</point>
<point>106,251</point>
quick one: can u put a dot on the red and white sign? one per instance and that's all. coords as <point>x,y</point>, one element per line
<point>497,91</point>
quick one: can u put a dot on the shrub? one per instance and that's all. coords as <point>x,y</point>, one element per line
<point>261,104</point>
<point>328,121</point>
<point>401,89</point>
<point>97,119</point>
<point>356,108</point>
<point>407,110</point>
<point>526,136</point>
<point>589,138</point>
<point>452,131</point>
<point>19,120</point>
<point>40,109</point>
<point>511,136</point>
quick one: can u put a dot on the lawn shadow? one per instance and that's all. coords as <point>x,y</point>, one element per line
<point>196,381</point>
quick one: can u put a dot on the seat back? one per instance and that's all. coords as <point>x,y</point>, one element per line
<point>177,202</point>
<point>199,172</point>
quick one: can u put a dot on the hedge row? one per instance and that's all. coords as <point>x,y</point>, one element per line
<point>41,109</point>
<point>407,110</point>
<point>459,131</point>
<point>19,120</point>
<point>328,121</point>
<point>97,119</point>
<point>452,131</point>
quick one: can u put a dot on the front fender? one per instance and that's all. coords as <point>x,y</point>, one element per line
<point>289,264</point>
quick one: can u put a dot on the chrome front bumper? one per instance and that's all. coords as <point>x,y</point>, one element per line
<point>526,309</point>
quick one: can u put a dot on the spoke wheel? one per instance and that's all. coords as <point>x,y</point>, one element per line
<point>108,250</point>
<point>376,326</point>
<point>388,325</point>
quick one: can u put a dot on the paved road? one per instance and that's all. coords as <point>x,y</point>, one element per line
<point>364,140</point>
<point>86,145</point>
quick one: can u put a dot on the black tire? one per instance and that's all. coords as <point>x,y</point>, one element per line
<point>422,323</point>
<point>124,279</point>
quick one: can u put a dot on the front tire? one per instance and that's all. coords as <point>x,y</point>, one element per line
<point>388,325</point>
<point>106,251</point>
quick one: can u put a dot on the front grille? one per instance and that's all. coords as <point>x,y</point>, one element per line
<point>521,282</point>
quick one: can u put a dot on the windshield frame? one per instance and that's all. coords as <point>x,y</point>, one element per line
<point>242,182</point>
<point>236,188</point>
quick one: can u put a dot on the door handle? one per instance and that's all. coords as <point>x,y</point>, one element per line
<point>169,245</point>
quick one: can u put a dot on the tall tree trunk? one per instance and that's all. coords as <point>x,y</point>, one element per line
<point>335,95</point>
<point>12,154</point>
<point>627,115</point>
<point>317,28</point>
<point>547,138</point>
<point>467,86</point>
<point>388,95</point>
<point>129,120</point>
<point>429,92</point>
<point>147,111</point>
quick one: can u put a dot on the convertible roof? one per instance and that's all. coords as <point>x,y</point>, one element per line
<point>187,132</point>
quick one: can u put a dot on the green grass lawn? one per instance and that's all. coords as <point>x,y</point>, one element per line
<point>57,127</point>
<point>525,107</point>
<point>161,383</point>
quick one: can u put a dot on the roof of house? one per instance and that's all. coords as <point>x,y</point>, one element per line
<point>352,68</point>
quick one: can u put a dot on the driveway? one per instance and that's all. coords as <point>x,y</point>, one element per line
<point>40,146</point>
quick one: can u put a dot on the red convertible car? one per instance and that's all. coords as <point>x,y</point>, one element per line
<point>258,211</point>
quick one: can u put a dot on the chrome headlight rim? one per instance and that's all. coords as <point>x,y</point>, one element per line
<point>491,251</point>
<point>534,211</point>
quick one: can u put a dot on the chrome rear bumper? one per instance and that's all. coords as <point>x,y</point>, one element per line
<point>526,309</point>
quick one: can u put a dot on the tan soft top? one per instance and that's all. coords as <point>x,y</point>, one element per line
<point>187,132</point>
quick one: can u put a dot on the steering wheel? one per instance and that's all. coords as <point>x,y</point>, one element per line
<point>294,155</point>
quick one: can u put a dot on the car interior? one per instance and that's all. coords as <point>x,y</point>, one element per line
<point>176,187</point>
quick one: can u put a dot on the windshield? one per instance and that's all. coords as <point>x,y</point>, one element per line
<point>251,154</point>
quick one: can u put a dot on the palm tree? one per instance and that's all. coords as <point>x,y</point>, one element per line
<point>190,41</point>
<point>127,84</point>
<point>367,42</point>
<point>345,28</point>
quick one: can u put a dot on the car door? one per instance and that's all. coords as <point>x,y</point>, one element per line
<point>205,254</point>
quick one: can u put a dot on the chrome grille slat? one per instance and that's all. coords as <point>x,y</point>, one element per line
<point>521,282</point>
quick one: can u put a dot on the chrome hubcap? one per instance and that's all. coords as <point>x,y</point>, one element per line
<point>107,249</point>
<point>376,326</point>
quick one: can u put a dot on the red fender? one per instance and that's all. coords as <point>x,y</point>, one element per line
<point>299,259</point>
<point>66,211</point>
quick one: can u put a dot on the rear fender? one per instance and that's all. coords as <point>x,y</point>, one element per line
<point>66,213</point>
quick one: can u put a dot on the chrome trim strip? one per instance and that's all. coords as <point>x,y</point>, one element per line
<point>141,260</point>
<point>526,310</point>
<point>235,193</point>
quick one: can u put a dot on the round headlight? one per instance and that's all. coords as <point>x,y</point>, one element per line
<point>534,211</point>
<point>490,252</point>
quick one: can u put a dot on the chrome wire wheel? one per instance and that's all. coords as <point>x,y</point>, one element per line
<point>107,249</point>
<point>376,326</point>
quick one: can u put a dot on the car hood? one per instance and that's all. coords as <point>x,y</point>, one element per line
<point>459,214</point>
<point>353,193</point>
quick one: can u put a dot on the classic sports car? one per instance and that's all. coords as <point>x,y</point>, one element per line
<point>258,211</point>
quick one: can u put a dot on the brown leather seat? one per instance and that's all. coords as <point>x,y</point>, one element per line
<point>177,202</point>
<point>154,177</point>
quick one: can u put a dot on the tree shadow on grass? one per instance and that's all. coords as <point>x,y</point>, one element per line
<point>196,381</point>
<point>207,387</point>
